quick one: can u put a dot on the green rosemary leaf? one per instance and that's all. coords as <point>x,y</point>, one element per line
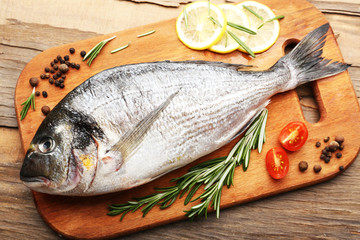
<point>29,102</point>
<point>254,13</point>
<point>241,28</point>
<point>120,48</point>
<point>241,43</point>
<point>270,20</point>
<point>145,34</point>
<point>215,21</point>
<point>186,19</point>
<point>92,54</point>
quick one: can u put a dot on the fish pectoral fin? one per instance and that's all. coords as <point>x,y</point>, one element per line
<point>131,139</point>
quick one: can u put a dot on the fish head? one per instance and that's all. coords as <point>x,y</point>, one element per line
<point>48,165</point>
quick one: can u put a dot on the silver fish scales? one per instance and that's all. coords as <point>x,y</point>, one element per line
<point>131,124</point>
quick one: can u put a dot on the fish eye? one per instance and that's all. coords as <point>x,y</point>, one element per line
<point>46,145</point>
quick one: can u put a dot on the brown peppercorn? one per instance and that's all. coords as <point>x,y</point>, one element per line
<point>56,60</point>
<point>341,147</point>
<point>327,160</point>
<point>51,80</point>
<point>63,77</point>
<point>57,83</point>
<point>59,74</point>
<point>34,81</point>
<point>326,139</point>
<point>58,57</point>
<point>303,166</point>
<point>47,69</point>
<point>63,68</point>
<point>55,76</point>
<point>317,144</point>
<point>340,139</point>
<point>329,154</point>
<point>341,168</point>
<point>338,155</point>
<point>52,63</point>
<point>45,110</point>
<point>62,85</point>
<point>67,63</point>
<point>66,57</point>
<point>45,94</point>
<point>317,168</point>
<point>62,61</point>
<point>52,71</point>
<point>42,76</point>
<point>47,75</point>
<point>322,156</point>
<point>72,65</point>
<point>334,145</point>
<point>61,80</point>
<point>37,93</point>
<point>72,50</point>
<point>82,53</point>
<point>56,67</point>
<point>324,151</point>
<point>77,66</point>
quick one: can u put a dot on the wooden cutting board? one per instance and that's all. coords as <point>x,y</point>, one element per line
<point>85,217</point>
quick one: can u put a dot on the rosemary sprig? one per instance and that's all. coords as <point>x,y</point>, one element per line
<point>270,20</point>
<point>92,54</point>
<point>254,13</point>
<point>212,174</point>
<point>241,28</point>
<point>26,105</point>
<point>145,34</point>
<point>120,48</point>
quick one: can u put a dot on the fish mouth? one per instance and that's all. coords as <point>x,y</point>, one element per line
<point>36,182</point>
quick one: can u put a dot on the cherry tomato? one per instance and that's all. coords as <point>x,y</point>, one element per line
<point>293,136</point>
<point>277,162</point>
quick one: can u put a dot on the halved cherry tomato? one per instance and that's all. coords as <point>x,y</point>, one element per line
<point>277,162</point>
<point>293,136</point>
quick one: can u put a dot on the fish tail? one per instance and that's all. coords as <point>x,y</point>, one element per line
<point>305,61</point>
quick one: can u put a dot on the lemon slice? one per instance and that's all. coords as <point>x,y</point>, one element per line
<point>194,27</point>
<point>235,15</point>
<point>269,32</point>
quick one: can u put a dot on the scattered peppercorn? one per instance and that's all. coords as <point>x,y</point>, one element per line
<point>62,61</point>
<point>63,77</point>
<point>61,80</point>
<point>51,80</point>
<point>66,57</point>
<point>45,110</point>
<point>59,74</point>
<point>45,94</point>
<point>326,139</point>
<point>77,66</point>
<point>52,71</point>
<point>327,160</point>
<point>58,57</point>
<point>47,75</point>
<point>317,168</point>
<point>303,166</point>
<point>82,53</point>
<point>62,85</point>
<point>318,144</point>
<point>334,145</point>
<point>341,168</point>
<point>67,63</point>
<point>37,93</point>
<point>57,83</point>
<point>340,139</point>
<point>338,155</point>
<point>56,67</point>
<point>56,60</point>
<point>327,148</point>
<point>52,63</point>
<point>47,69</point>
<point>42,76</point>
<point>63,68</point>
<point>72,50</point>
<point>329,154</point>
<point>341,147</point>
<point>72,65</point>
<point>324,151</point>
<point>55,76</point>
<point>34,81</point>
<point>322,156</point>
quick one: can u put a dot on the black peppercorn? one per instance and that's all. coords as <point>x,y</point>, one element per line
<point>45,94</point>
<point>58,57</point>
<point>322,156</point>
<point>329,154</point>
<point>56,60</point>
<point>317,168</point>
<point>324,151</point>
<point>317,144</point>
<point>34,81</point>
<point>37,93</point>
<point>57,83</point>
<point>42,76</point>
<point>63,77</point>
<point>326,139</point>
<point>334,145</point>
<point>327,148</point>
<point>45,110</point>
<point>341,168</point>
<point>63,68</point>
<point>327,160</point>
<point>62,85</point>
<point>62,61</point>
<point>59,74</point>
<point>51,80</point>
<point>303,165</point>
<point>82,53</point>
<point>55,76</point>
<point>77,66</point>
<point>340,139</point>
<point>52,71</point>
<point>338,155</point>
<point>52,63</point>
<point>72,65</point>
<point>72,50</point>
<point>47,69</point>
<point>66,57</point>
<point>61,80</point>
<point>341,147</point>
<point>56,67</point>
<point>67,63</point>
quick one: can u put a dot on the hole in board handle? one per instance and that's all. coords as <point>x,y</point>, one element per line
<point>305,92</point>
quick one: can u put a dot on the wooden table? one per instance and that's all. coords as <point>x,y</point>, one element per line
<point>330,210</point>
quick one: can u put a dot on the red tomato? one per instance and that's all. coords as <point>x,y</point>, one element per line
<point>293,136</point>
<point>277,162</point>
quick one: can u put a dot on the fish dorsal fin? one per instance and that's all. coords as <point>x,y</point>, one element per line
<point>131,139</point>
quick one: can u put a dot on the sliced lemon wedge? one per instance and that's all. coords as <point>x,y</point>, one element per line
<point>266,32</point>
<point>235,15</point>
<point>195,28</point>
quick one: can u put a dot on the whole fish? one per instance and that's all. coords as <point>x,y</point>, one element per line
<point>130,124</point>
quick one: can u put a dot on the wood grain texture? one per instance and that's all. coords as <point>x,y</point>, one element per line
<point>325,211</point>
